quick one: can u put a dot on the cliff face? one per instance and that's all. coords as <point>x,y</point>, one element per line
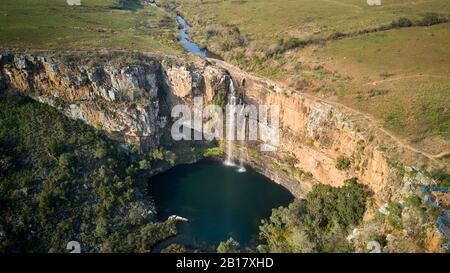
<point>125,99</point>
<point>320,142</point>
<point>119,99</point>
<point>319,134</point>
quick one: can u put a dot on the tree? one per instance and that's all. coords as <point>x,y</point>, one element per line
<point>170,157</point>
<point>174,248</point>
<point>229,246</point>
<point>67,161</point>
<point>342,163</point>
<point>144,164</point>
<point>319,223</point>
<point>157,154</point>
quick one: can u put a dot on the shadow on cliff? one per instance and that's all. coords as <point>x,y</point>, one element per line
<point>132,5</point>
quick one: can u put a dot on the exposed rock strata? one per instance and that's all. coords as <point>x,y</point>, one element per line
<point>125,99</point>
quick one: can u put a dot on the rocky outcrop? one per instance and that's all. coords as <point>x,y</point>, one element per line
<point>187,82</point>
<point>122,100</point>
<point>131,98</point>
<point>120,97</point>
<point>125,99</point>
<point>318,134</point>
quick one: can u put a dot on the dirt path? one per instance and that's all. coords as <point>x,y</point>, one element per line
<point>401,143</point>
<point>404,77</point>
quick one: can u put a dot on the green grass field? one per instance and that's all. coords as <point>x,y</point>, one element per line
<point>108,24</point>
<point>266,20</point>
<point>400,76</point>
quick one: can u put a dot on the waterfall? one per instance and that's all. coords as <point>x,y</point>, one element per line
<point>231,124</point>
<point>242,141</point>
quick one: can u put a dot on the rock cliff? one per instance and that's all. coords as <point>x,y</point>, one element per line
<point>129,97</point>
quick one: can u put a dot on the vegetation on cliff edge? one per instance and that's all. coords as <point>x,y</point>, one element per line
<point>61,180</point>
<point>319,223</point>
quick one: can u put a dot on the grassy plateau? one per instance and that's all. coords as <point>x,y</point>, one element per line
<point>390,61</point>
<point>95,24</point>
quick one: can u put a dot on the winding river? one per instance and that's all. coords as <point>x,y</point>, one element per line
<point>186,41</point>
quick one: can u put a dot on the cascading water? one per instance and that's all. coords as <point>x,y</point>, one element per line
<point>242,141</point>
<point>231,124</point>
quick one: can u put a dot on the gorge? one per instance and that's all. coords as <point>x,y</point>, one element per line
<point>129,95</point>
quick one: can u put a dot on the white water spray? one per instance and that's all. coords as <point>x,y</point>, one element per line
<point>242,152</point>
<point>230,125</point>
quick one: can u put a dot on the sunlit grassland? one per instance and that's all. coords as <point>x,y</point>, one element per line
<point>400,76</point>
<point>106,24</point>
<point>268,20</point>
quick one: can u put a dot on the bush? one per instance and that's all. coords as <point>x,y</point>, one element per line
<point>342,163</point>
<point>144,165</point>
<point>430,19</point>
<point>170,157</point>
<point>337,35</point>
<point>211,33</point>
<point>394,217</point>
<point>401,22</point>
<point>157,154</point>
<point>220,98</point>
<point>73,191</point>
<point>229,246</point>
<point>284,45</point>
<point>213,152</point>
<point>174,248</point>
<point>253,152</point>
<point>441,176</point>
<point>319,223</point>
<point>67,161</point>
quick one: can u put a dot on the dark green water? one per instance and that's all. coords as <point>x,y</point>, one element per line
<point>218,201</point>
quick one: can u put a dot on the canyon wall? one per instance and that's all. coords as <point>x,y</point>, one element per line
<point>131,98</point>
<point>319,134</point>
<point>122,95</point>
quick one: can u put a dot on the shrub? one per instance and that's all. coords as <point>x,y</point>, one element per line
<point>377,92</point>
<point>211,33</point>
<point>170,157</point>
<point>401,22</point>
<point>440,175</point>
<point>229,246</point>
<point>253,152</point>
<point>284,45</point>
<point>157,154</point>
<point>220,98</point>
<point>342,163</point>
<point>67,161</point>
<point>174,248</point>
<point>213,152</point>
<point>430,19</point>
<point>319,223</point>
<point>144,165</point>
<point>394,217</point>
<point>55,148</point>
<point>337,35</point>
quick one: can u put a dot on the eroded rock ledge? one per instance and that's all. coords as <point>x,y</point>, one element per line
<point>130,97</point>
